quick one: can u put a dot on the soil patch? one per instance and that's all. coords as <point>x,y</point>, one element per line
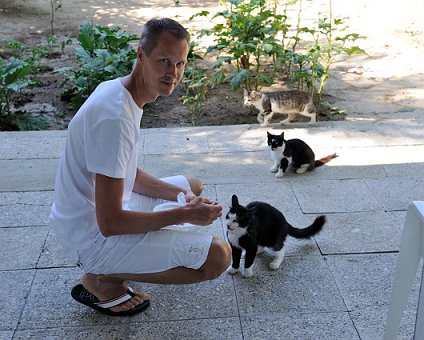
<point>389,79</point>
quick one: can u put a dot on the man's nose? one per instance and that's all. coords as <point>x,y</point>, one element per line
<point>172,71</point>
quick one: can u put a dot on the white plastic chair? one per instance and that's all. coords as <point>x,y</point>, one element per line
<point>410,254</point>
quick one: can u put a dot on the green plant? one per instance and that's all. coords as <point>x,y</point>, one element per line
<point>329,41</point>
<point>245,36</point>
<point>104,53</point>
<point>262,46</point>
<point>196,82</point>
<point>14,78</point>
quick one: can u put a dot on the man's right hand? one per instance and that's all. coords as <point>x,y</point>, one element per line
<point>202,211</point>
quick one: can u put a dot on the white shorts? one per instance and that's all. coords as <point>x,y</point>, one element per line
<point>151,252</point>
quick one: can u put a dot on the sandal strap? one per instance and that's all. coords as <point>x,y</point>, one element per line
<point>116,301</point>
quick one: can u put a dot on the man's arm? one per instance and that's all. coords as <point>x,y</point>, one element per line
<point>113,220</point>
<point>149,185</point>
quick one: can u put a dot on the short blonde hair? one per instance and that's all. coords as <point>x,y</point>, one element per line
<point>152,30</point>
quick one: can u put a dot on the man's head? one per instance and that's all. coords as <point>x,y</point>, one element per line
<point>161,58</point>
<point>155,27</point>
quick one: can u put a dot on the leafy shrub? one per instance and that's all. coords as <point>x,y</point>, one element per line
<point>246,34</point>
<point>262,46</point>
<point>104,53</point>
<point>13,78</point>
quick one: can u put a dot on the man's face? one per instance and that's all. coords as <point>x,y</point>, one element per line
<point>164,67</point>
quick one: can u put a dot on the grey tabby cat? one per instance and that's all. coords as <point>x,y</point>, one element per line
<point>290,102</point>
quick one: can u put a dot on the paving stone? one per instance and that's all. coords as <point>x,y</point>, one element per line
<point>396,193</point>
<point>30,145</point>
<point>106,332</point>
<point>213,168</point>
<point>36,198</point>
<point>21,215</point>
<point>370,323</point>
<point>358,233</point>
<point>15,287</point>
<point>376,273</point>
<point>52,254</point>
<point>365,192</point>
<point>398,218</point>
<point>332,196</point>
<point>6,335</point>
<point>301,284</point>
<point>21,247</point>
<point>211,328</point>
<point>15,174</point>
<point>291,325</point>
<point>415,170</point>
<point>205,300</point>
<point>180,142</point>
<point>25,208</point>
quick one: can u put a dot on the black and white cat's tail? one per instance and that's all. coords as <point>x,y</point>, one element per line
<point>307,232</point>
<point>324,160</point>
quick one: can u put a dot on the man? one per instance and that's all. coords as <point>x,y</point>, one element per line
<point>103,206</point>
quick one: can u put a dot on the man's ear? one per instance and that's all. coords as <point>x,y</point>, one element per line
<point>140,54</point>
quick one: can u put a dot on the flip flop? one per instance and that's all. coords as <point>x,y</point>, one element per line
<point>82,295</point>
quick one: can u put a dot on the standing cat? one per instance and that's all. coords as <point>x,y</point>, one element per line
<point>288,102</point>
<point>257,226</point>
<point>295,152</point>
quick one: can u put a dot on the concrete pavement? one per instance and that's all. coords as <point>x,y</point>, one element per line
<point>335,286</point>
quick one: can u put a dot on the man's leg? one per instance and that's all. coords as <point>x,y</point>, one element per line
<point>106,287</point>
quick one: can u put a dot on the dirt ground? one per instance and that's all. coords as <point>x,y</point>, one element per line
<point>390,78</point>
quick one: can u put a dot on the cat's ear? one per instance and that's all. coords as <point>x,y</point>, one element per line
<point>234,201</point>
<point>245,92</point>
<point>282,135</point>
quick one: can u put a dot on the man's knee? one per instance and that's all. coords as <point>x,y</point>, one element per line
<point>196,184</point>
<point>219,259</point>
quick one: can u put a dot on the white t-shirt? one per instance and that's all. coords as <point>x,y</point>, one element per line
<point>102,138</point>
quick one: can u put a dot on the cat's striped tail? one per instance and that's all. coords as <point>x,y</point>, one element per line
<point>324,160</point>
<point>307,232</point>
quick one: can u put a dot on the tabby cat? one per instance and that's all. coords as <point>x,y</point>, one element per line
<point>294,152</point>
<point>290,102</point>
<point>258,226</point>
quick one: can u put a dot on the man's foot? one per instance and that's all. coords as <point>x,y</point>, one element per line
<point>105,288</point>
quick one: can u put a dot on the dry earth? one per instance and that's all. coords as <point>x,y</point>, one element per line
<point>390,78</point>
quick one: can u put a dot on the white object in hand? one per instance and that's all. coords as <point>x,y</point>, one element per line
<point>172,205</point>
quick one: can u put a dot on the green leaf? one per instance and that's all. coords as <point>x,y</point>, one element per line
<point>354,50</point>
<point>238,77</point>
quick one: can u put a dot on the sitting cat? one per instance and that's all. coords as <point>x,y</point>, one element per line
<point>257,226</point>
<point>288,102</point>
<point>293,152</point>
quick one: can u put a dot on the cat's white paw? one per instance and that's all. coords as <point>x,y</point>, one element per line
<point>248,272</point>
<point>260,118</point>
<point>279,174</point>
<point>232,270</point>
<point>273,168</point>
<point>301,170</point>
<point>274,265</point>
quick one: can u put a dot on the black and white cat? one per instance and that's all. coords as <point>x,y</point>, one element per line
<point>294,152</point>
<point>258,226</point>
<point>290,102</point>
